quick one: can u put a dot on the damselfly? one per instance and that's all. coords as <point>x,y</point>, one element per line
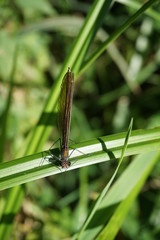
<point>64,118</point>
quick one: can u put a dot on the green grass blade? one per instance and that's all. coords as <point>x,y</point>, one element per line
<point>122,190</point>
<point>31,167</point>
<point>105,190</point>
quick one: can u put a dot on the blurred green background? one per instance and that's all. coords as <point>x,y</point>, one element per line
<point>122,83</point>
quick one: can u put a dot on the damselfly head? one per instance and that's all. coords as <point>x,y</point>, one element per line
<point>65,164</point>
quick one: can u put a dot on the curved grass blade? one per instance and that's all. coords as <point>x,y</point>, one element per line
<point>104,191</point>
<point>29,168</point>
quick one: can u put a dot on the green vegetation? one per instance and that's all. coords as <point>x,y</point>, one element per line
<point>114,53</point>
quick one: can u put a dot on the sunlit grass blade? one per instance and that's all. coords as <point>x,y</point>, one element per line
<point>33,167</point>
<point>104,191</point>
